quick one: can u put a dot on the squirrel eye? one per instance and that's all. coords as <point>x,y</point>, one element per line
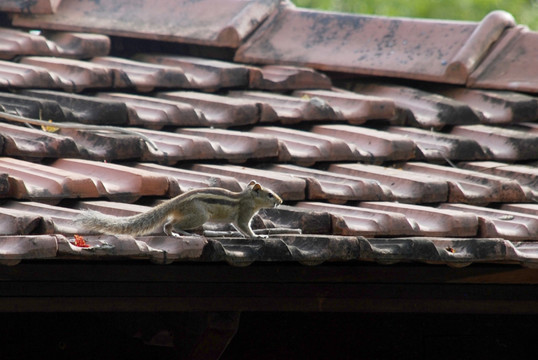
<point>270,195</point>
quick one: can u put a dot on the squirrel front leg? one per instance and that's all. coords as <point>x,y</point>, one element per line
<point>243,225</point>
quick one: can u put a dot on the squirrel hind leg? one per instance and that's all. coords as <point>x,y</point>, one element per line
<point>176,226</point>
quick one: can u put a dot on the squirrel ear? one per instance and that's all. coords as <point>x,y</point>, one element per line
<point>252,183</point>
<point>256,187</point>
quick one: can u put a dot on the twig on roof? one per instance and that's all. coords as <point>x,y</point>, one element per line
<point>68,125</point>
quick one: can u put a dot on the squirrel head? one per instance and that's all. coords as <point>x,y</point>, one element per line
<point>264,198</point>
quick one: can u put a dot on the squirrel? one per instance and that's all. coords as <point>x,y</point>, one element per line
<point>188,211</point>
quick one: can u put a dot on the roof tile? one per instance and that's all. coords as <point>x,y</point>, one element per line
<point>370,144</point>
<point>60,218</point>
<point>505,144</point>
<point>155,113</point>
<point>437,146</point>
<point>13,75</point>
<point>508,225</point>
<point>237,146</point>
<point>29,106</point>
<point>80,45</point>
<point>355,108</point>
<point>431,221</point>
<point>115,181</point>
<point>306,148</point>
<point>497,107</point>
<point>428,110</point>
<point>15,42</point>
<point>420,49</point>
<point>38,182</point>
<point>13,249</point>
<point>279,78</point>
<point>81,108</point>
<point>334,187</point>
<point>289,187</point>
<point>144,76</point>
<point>350,220</point>
<point>202,73</point>
<point>469,186</point>
<point>405,186</point>
<point>190,179</point>
<point>525,175</point>
<point>219,27</point>
<point>293,217</point>
<point>34,144</point>
<point>15,222</point>
<point>34,7</point>
<point>505,67</point>
<point>80,74</point>
<point>290,109</point>
<point>220,111</point>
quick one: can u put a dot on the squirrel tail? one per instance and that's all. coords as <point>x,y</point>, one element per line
<point>139,224</point>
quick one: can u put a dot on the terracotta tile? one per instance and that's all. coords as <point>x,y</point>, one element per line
<point>497,107</point>
<point>4,182</point>
<point>146,77</point>
<point>16,222</point>
<point>81,74</point>
<point>207,74</point>
<point>38,182</point>
<point>55,219</point>
<point>82,108</point>
<point>369,144</point>
<point>508,225</point>
<point>530,209</point>
<point>293,217</point>
<point>469,186</point>
<point>523,174</point>
<point>34,7</point>
<point>31,107</point>
<point>80,45</point>
<point>504,67</point>
<point>438,146</point>
<point>110,208</point>
<point>284,78</point>
<point>219,27</point>
<point>14,43</point>
<point>155,113</point>
<point>116,182</point>
<point>351,220</point>
<point>334,187</point>
<point>35,144</point>
<point>236,146</point>
<point>443,51</point>
<point>306,148</point>
<point>406,186</point>
<point>431,221</point>
<point>220,111</point>
<point>428,110</point>
<point>13,249</point>
<point>190,179</point>
<point>173,147</point>
<point>290,188</point>
<point>289,109</point>
<point>14,75</point>
<point>355,108</point>
<point>505,144</point>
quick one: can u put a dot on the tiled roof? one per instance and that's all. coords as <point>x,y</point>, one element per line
<point>389,139</point>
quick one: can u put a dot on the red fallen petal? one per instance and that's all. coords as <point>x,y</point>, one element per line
<point>80,242</point>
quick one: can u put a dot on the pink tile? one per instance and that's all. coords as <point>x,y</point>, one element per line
<point>183,21</point>
<point>334,187</point>
<point>14,75</point>
<point>428,110</point>
<point>469,186</point>
<point>14,249</point>
<point>355,108</point>
<point>38,182</point>
<point>431,221</point>
<point>371,145</point>
<point>80,45</point>
<point>154,113</point>
<point>351,220</point>
<point>220,111</point>
<point>18,222</point>
<point>438,146</point>
<point>445,51</point>
<point>306,148</point>
<point>15,42</point>
<point>237,146</point>
<point>281,78</point>
<point>405,186</point>
<point>34,7</point>
<point>511,64</point>
<point>505,224</point>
